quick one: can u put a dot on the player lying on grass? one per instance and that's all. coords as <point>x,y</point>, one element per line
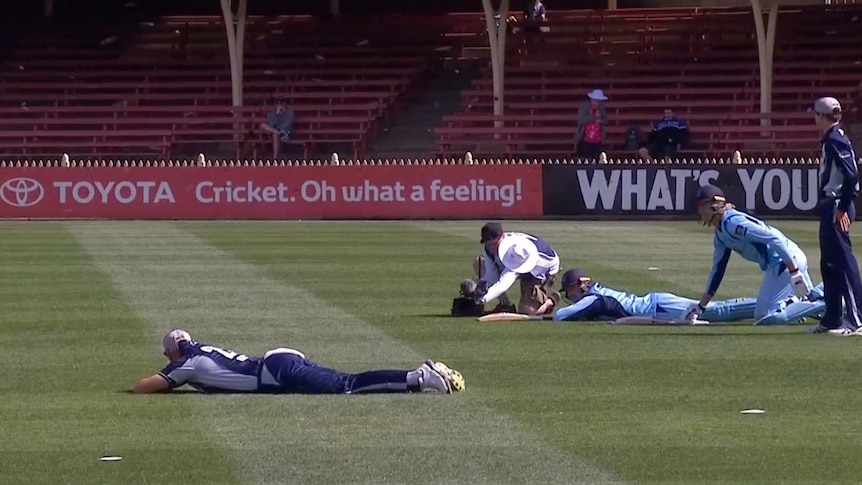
<point>509,257</point>
<point>783,263</point>
<point>208,368</point>
<point>592,301</point>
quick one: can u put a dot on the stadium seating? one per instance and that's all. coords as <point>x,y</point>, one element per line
<point>167,85</point>
<point>634,55</point>
<point>174,78</point>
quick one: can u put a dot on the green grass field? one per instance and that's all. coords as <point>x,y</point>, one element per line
<point>84,306</point>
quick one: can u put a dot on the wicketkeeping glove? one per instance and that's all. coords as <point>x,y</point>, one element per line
<point>800,286</point>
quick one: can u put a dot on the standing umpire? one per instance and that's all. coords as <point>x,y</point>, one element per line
<point>839,187</point>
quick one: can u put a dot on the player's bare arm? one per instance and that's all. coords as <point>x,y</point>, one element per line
<point>153,384</point>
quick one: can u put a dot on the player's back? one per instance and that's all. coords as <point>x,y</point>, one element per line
<point>633,304</point>
<point>736,230</point>
<point>210,368</point>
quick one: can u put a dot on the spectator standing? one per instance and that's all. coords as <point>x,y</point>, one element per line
<point>668,136</point>
<point>279,123</point>
<point>536,12</point>
<point>592,121</point>
<point>839,188</point>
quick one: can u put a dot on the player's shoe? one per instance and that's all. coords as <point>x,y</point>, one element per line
<point>432,378</point>
<point>453,377</point>
<point>842,331</point>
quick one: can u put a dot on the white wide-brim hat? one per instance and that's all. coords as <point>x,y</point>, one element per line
<point>597,94</point>
<point>516,254</point>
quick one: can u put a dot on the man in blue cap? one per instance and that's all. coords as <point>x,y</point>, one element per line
<point>784,294</point>
<point>593,301</point>
<point>839,187</point>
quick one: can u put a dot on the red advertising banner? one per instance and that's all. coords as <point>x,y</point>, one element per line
<point>326,192</point>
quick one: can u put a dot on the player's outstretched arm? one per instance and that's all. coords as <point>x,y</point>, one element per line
<point>507,279</point>
<point>153,384</point>
<point>720,258</point>
<point>588,308</point>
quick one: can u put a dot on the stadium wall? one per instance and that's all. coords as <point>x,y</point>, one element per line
<point>404,190</point>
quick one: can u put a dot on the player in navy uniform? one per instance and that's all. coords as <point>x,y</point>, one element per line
<point>209,368</point>
<point>839,188</point>
<point>786,287</point>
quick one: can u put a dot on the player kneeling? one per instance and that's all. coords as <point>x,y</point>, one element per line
<point>209,368</point>
<point>509,257</point>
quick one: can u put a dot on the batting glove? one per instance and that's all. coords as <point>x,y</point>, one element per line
<point>800,286</point>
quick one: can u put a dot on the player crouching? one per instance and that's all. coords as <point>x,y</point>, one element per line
<point>508,257</point>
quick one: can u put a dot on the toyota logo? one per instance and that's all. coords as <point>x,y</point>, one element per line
<point>22,192</point>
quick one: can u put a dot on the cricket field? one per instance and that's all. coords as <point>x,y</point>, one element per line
<point>84,306</point>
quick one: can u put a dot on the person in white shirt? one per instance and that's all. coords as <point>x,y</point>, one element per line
<point>516,256</point>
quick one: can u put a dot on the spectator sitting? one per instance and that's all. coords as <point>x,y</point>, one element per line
<point>592,120</point>
<point>280,124</point>
<point>668,135</point>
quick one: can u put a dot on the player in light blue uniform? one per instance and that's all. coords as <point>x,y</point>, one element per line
<point>593,301</point>
<point>209,368</point>
<point>786,289</point>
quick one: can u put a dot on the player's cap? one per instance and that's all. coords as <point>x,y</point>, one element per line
<point>491,231</point>
<point>171,340</point>
<point>826,106</point>
<point>575,276</point>
<point>709,193</point>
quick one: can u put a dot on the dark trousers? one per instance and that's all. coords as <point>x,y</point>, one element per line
<point>588,150</point>
<point>839,269</point>
<point>297,375</point>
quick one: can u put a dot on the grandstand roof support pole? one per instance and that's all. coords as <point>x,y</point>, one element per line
<point>495,20</point>
<point>335,8</point>
<point>765,50</point>
<point>48,8</point>
<point>612,4</point>
<point>235,27</point>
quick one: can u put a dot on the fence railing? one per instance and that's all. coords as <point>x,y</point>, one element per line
<point>202,161</point>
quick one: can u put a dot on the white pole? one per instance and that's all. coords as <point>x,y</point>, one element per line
<point>241,18</point>
<point>770,47</point>
<point>497,46</point>
<point>48,8</point>
<point>757,10</point>
<point>235,63</point>
<point>335,8</point>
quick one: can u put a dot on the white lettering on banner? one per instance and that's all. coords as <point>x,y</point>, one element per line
<point>637,189</point>
<point>769,194</point>
<point>314,191</point>
<point>628,184</point>
<point>599,186</point>
<point>476,191</point>
<point>659,197</point>
<point>369,192</point>
<point>124,192</point>
<point>248,193</point>
<point>779,188</point>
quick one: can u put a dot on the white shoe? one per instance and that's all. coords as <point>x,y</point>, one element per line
<point>846,331</point>
<point>431,378</point>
